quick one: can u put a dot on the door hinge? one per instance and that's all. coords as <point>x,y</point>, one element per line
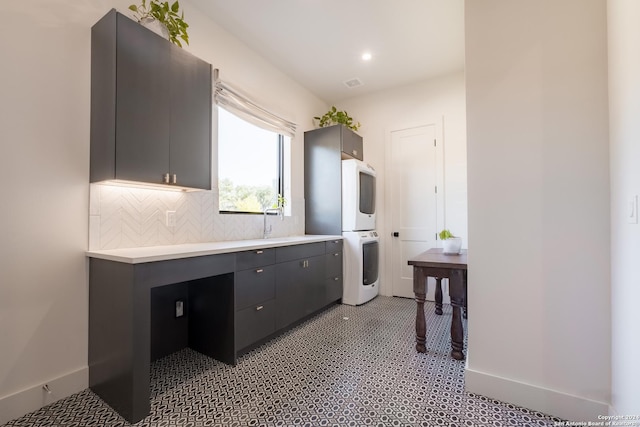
<point>436,236</point>
<point>434,142</point>
<point>436,188</point>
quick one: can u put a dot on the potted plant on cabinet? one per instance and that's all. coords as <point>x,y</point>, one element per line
<point>451,244</point>
<point>167,19</point>
<point>334,117</point>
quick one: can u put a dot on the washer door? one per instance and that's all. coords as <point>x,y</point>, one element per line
<point>369,263</point>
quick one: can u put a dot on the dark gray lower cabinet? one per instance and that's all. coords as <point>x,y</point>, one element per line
<point>232,302</point>
<point>255,297</point>
<point>298,289</point>
<point>333,279</point>
<point>255,323</point>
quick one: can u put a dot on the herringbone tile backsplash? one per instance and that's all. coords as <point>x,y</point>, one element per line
<point>124,217</point>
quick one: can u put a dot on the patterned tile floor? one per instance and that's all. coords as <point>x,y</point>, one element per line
<point>348,366</point>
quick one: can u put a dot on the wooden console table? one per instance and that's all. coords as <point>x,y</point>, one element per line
<point>433,263</point>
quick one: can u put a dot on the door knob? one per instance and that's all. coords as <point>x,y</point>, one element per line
<point>396,234</point>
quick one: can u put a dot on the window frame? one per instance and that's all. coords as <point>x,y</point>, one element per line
<point>280,168</point>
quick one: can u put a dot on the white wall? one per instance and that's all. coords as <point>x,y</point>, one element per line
<point>538,174</point>
<point>44,127</point>
<point>624,127</point>
<point>441,99</point>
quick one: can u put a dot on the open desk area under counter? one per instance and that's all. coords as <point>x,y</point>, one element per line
<point>220,298</point>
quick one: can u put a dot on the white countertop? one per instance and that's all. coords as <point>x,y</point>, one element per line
<point>187,250</point>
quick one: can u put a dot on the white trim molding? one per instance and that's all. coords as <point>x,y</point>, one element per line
<point>15,405</point>
<point>551,402</point>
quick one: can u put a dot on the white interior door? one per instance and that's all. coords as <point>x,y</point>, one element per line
<point>414,202</point>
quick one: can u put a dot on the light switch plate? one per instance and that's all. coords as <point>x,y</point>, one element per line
<point>632,210</point>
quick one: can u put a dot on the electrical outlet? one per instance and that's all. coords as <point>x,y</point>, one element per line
<point>171,218</point>
<point>179,308</point>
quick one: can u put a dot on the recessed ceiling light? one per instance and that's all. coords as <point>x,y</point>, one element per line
<point>366,56</point>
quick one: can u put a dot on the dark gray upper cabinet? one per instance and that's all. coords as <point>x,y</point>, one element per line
<point>150,107</point>
<point>324,149</point>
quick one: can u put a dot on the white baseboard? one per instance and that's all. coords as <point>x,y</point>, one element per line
<point>17,404</point>
<point>551,402</point>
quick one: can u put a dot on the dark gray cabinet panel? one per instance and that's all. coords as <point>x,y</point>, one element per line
<point>299,289</point>
<point>351,143</point>
<point>190,150</point>
<point>150,107</point>
<point>333,264</point>
<point>288,253</point>
<point>256,258</point>
<point>324,149</point>
<point>334,246</point>
<point>333,289</point>
<point>142,103</point>
<point>334,276</point>
<point>255,286</point>
<point>254,323</point>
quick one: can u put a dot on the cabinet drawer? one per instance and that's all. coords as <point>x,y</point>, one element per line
<point>254,323</point>
<point>289,253</point>
<point>333,263</point>
<point>256,258</point>
<point>334,246</point>
<point>333,289</point>
<point>255,286</point>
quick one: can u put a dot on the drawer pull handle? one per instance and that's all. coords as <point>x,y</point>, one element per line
<point>259,252</point>
<point>260,307</point>
<point>336,241</point>
<point>336,254</point>
<point>336,279</point>
<point>259,270</point>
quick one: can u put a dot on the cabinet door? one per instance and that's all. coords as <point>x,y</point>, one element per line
<point>289,293</point>
<point>190,158</point>
<point>254,323</point>
<point>315,282</point>
<point>299,289</point>
<point>143,103</point>
<point>351,143</point>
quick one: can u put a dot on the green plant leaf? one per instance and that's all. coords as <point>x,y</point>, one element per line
<point>133,7</point>
<point>175,7</point>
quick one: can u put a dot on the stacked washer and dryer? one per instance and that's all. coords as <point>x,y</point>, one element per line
<point>361,241</point>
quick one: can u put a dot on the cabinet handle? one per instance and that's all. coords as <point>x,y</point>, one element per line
<point>165,178</point>
<point>305,263</point>
<point>259,270</point>
<point>336,241</point>
<point>335,279</point>
<point>174,179</point>
<point>336,254</point>
<point>260,307</point>
<point>259,252</point>
<point>355,152</point>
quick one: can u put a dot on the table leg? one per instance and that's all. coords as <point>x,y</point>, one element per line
<point>464,313</point>
<point>456,292</point>
<point>438,295</point>
<point>419,289</point>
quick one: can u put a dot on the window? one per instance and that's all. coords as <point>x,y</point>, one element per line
<point>250,165</point>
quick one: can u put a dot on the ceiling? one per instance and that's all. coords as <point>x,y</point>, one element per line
<point>319,43</point>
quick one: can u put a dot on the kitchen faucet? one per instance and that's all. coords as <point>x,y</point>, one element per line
<point>267,231</point>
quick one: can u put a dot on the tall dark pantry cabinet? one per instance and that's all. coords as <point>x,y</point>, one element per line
<point>324,149</point>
